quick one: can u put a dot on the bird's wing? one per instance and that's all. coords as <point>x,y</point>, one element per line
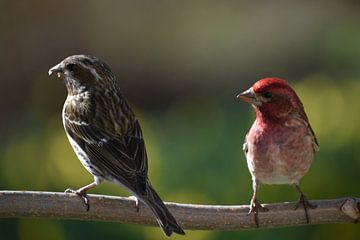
<point>316,144</point>
<point>122,158</point>
<point>301,115</point>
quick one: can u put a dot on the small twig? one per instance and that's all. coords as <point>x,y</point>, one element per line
<point>15,204</point>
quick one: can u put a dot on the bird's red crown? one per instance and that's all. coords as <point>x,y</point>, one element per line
<point>270,83</point>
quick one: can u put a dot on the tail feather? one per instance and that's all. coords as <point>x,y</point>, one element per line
<point>163,216</point>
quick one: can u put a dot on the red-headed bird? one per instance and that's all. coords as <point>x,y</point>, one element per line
<point>106,135</point>
<point>281,144</point>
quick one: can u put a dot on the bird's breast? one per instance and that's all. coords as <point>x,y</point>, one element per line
<point>279,154</point>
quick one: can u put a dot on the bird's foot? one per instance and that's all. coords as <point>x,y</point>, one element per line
<point>256,207</point>
<point>303,201</point>
<point>134,198</point>
<point>81,194</point>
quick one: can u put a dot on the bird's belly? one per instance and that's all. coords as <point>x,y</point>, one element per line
<point>285,163</point>
<point>82,156</point>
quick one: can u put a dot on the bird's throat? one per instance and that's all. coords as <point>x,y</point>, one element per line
<point>74,87</point>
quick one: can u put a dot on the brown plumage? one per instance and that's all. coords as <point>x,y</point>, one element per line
<point>105,134</point>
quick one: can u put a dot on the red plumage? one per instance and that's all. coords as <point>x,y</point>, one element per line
<point>280,145</point>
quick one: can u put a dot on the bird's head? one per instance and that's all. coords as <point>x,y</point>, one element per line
<point>83,73</point>
<point>273,98</point>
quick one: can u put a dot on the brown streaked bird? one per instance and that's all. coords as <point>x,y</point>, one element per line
<point>106,135</point>
<point>281,144</point>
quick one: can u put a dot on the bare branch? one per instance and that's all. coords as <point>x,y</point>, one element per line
<point>14,204</point>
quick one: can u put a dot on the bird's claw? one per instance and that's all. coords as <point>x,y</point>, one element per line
<point>70,190</point>
<point>136,202</point>
<point>303,201</point>
<point>256,207</point>
<point>81,194</point>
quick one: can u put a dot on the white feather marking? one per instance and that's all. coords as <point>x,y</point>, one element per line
<point>79,123</point>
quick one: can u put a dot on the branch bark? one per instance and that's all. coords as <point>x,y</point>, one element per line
<point>15,204</point>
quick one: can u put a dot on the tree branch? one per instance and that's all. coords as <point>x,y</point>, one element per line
<point>190,216</point>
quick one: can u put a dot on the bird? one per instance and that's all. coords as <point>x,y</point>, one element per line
<point>106,135</point>
<point>281,144</point>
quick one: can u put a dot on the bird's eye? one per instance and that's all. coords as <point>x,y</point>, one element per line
<point>268,94</point>
<point>71,67</point>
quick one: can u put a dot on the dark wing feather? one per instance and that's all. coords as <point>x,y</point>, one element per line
<point>316,144</point>
<point>301,115</point>
<point>119,157</point>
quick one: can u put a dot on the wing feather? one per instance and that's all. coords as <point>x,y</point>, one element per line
<point>301,115</point>
<point>120,158</point>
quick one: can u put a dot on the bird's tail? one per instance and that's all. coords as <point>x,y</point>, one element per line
<point>163,216</point>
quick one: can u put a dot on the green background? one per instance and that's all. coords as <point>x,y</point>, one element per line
<point>181,64</point>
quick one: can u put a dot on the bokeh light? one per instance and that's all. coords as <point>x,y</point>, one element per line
<point>181,64</point>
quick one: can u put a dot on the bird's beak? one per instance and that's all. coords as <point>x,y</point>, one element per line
<point>56,69</point>
<point>250,97</point>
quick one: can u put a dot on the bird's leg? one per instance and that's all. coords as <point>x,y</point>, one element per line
<point>303,201</point>
<point>255,206</point>
<point>81,192</point>
<point>134,198</point>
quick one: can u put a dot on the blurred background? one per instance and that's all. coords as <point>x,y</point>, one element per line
<point>181,64</point>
